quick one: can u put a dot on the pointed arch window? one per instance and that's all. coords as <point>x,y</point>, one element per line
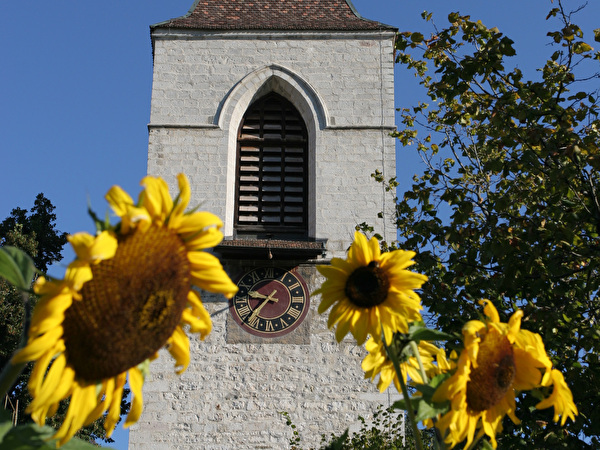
<point>272,172</point>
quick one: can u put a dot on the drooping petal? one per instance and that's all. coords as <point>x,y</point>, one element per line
<point>561,399</point>
<point>179,347</point>
<point>92,249</point>
<point>136,381</point>
<point>207,273</point>
<point>119,200</point>
<point>183,199</point>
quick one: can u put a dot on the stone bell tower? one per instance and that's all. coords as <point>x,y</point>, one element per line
<point>277,111</point>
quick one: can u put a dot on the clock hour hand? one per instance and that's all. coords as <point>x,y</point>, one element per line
<point>256,294</point>
<point>268,298</point>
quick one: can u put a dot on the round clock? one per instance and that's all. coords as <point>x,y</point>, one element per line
<point>270,302</point>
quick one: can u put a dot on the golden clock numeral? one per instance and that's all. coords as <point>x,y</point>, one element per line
<point>244,311</point>
<point>244,285</point>
<point>255,277</point>
<point>297,299</point>
<point>253,322</point>
<point>269,272</point>
<point>295,313</point>
<point>294,286</point>
<point>269,326</point>
<point>283,323</point>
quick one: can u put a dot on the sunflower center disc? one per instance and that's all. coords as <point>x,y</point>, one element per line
<point>130,307</point>
<point>494,374</point>
<point>367,286</point>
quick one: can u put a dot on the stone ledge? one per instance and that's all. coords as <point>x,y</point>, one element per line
<point>270,249</point>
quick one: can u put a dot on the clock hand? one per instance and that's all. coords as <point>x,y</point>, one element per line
<point>256,294</point>
<point>259,307</point>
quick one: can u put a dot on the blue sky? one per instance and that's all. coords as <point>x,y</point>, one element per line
<point>76,79</point>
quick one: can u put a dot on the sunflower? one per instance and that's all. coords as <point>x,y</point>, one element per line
<point>497,360</point>
<point>377,362</point>
<point>129,292</point>
<point>371,292</point>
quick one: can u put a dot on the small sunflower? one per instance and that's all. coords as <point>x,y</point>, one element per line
<point>371,292</point>
<point>377,362</point>
<point>497,360</point>
<point>128,293</point>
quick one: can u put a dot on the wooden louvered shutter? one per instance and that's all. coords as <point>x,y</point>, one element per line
<point>271,191</point>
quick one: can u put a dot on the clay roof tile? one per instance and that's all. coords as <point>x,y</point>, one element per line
<point>307,15</point>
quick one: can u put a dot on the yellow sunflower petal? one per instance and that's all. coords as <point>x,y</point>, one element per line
<point>208,274</point>
<point>114,408</point>
<point>49,313</point>
<point>92,249</point>
<point>156,198</point>
<point>119,200</point>
<point>179,347</point>
<point>200,240</point>
<point>561,399</point>
<point>36,347</point>
<point>77,274</point>
<point>527,370</point>
<point>79,406</point>
<point>360,250</point>
<point>198,222</point>
<point>136,381</point>
<point>51,382</point>
<point>472,332</point>
<point>183,198</point>
<point>490,310</point>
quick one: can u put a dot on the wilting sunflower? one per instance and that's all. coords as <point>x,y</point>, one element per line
<point>377,362</point>
<point>497,360</point>
<point>128,293</point>
<point>371,292</point>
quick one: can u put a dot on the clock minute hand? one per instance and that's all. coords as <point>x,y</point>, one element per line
<point>259,307</point>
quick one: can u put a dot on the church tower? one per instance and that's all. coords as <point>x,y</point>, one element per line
<point>278,111</point>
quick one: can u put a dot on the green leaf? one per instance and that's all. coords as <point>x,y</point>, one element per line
<point>32,436</point>
<point>16,267</point>
<point>5,423</point>
<point>417,331</point>
<point>427,410</point>
<point>581,47</point>
<point>485,445</point>
<point>416,37</point>
<point>597,34</point>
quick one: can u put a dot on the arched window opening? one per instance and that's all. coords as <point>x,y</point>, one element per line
<point>272,172</point>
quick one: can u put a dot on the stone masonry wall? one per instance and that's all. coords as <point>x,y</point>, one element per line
<point>233,392</point>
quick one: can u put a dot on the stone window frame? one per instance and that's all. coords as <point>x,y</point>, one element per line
<point>305,99</point>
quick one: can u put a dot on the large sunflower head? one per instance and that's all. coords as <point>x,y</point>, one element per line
<point>498,359</point>
<point>129,292</point>
<point>371,292</point>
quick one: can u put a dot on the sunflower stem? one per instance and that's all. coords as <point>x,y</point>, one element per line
<point>438,443</point>
<point>415,350</point>
<point>409,408</point>
<point>11,371</point>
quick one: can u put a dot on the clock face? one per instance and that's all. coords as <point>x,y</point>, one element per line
<point>271,301</point>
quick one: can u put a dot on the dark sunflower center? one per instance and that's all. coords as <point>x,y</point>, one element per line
<point>367,286</point>
<point>494,374</point>
<point>130,307</point>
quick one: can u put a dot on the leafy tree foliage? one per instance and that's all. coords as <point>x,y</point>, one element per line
<point>508,205</point>
<point>39,226</point>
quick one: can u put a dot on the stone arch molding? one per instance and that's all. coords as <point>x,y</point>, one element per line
<point>273,78</point>
<point>301,94</point>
